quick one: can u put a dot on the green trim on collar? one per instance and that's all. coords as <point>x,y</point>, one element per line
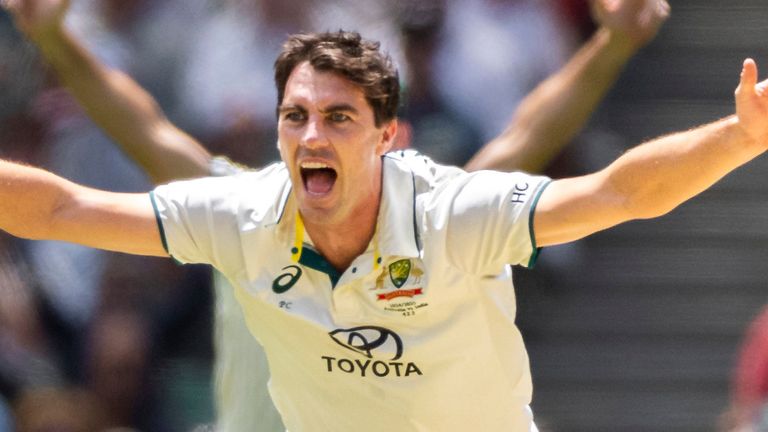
<point>315,261</point>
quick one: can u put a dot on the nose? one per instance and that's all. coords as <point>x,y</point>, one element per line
<point>314,135</point>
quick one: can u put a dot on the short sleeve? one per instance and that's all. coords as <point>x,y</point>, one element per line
<point>198,220</point>
<point>486,220</point>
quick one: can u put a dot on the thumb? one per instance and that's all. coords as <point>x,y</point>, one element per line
<point>748,78</point>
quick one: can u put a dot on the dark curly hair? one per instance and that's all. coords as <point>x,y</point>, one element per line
<point>349,55</point>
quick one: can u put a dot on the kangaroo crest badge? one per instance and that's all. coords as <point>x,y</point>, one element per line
<point>399,271</point>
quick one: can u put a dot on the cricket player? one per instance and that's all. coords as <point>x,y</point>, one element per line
<point>379,299</point>
<point>544,123</point>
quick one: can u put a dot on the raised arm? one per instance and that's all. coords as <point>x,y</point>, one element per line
<point>551,115</point>
<point>36,204</point>
<point>112,99</point>
<point>654,178</point>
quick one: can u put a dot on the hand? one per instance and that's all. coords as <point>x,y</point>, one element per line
<point>37,17</point>
<point>636,21</point>
<point>752,104</point>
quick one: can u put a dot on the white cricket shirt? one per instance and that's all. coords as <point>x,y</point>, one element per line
<point>417,334</point>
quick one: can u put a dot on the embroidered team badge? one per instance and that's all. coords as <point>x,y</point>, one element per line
<point>399,272</point>
<point>405,278</point>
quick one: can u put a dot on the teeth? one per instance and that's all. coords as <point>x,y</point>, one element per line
<point>313,165</point>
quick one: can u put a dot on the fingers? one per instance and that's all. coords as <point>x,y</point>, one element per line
<point>640,19</point>
<point>654,13</point>
<point>752,103</point>
<point>601,8</point>
<point>761,88</point>
<point>663,9</point>
<point>749,90</point>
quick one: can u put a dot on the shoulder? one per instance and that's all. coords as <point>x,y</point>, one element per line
<point>426,173</point>
<point>443,181</point>
<point>257,192</point>
<point>228,178</point>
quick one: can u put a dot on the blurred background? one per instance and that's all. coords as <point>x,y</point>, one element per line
<point>641,328</point>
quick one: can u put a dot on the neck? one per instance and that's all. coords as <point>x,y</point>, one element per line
<point>341,243</point>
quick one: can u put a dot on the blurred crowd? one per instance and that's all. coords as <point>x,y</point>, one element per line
<point>93,340</point>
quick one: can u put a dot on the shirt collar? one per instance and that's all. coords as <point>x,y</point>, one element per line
<point>396,233</point>
<point>396,226</point>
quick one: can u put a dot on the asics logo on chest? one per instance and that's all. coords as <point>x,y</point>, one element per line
<point>291,274</point>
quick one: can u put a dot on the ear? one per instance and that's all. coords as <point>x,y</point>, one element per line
<point>387,137</point>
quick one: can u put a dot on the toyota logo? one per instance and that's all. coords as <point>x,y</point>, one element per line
<point>367,340</point>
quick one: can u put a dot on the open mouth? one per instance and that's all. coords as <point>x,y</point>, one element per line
<point>318,177</point>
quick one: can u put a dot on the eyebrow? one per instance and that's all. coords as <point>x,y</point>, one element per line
<point>339,107</point>
<point>284,108</point>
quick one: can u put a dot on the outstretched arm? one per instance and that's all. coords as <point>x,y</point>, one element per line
<point>36,204</point>
<point>654,178</point>
<point>551,115</point>
<point>112,99</point>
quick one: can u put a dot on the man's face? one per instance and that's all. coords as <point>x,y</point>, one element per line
<point>331,145</point>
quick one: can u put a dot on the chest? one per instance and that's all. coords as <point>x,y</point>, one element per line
<point>396,291</point>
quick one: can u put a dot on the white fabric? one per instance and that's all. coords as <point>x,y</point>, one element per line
<point>240,368</point>
<point>432,346</point>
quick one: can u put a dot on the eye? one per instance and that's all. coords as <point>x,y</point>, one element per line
<point>338,117</point>
<point>294,116</point>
